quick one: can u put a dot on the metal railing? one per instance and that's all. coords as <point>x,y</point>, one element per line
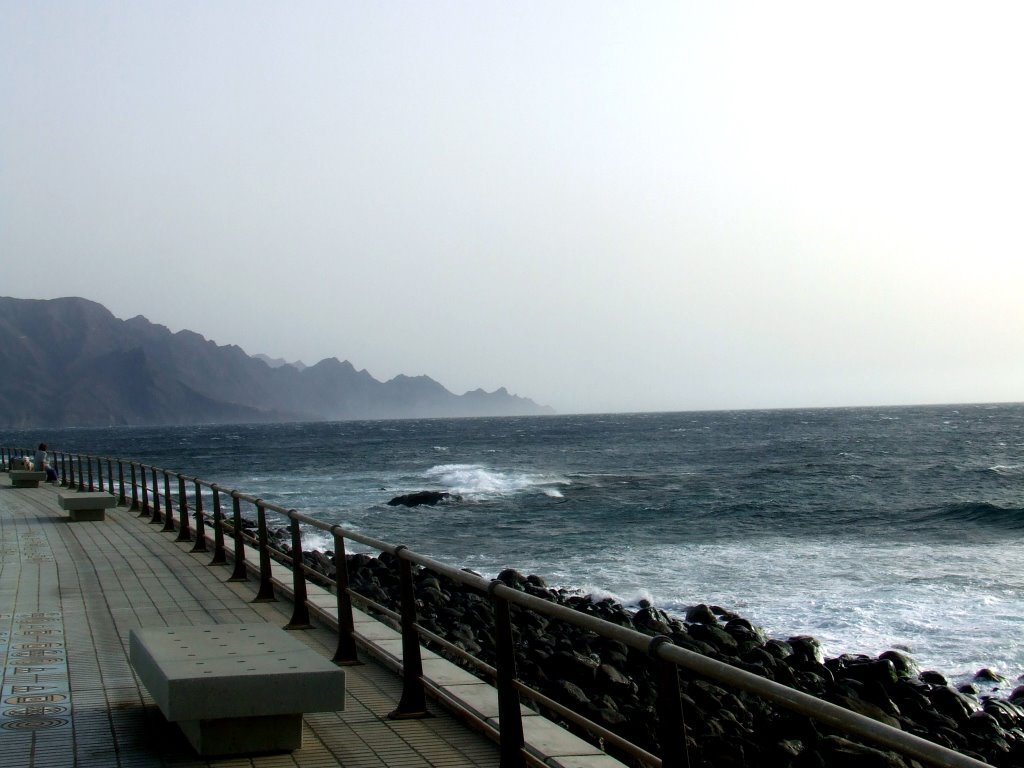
<point>138,487</point>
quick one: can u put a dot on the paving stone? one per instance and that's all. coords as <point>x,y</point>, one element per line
<point>90,585</point>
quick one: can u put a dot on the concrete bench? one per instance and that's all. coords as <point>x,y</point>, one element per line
<point>235,689</point>
<point>26,478</point>
<point>85,505</point>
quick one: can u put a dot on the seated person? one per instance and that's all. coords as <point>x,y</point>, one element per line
<point>42,464</point>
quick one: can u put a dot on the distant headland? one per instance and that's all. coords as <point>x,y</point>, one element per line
<point>70,363</point>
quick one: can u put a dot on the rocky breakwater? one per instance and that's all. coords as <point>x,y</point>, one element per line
<point>616,687</point>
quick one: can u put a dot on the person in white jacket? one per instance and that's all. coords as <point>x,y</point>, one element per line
<point>42,464</point>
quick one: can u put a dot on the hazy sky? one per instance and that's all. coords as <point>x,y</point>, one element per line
<point>601,206</point>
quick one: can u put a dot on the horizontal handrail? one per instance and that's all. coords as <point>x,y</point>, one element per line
<point>659,648</point>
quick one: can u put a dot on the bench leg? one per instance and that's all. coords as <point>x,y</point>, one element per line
<point>80,515</point>
<point>240,735</point>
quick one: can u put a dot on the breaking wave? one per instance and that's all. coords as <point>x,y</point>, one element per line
<point>477,482</point>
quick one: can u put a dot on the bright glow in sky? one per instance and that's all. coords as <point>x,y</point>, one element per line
<point>602,206</point>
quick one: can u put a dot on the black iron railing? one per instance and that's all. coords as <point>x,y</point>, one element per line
<point>148,490</point>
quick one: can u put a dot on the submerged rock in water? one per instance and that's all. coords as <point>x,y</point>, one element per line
<point>430,498</point>
<point>989,676</point>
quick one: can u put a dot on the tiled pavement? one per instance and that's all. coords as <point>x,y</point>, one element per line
<point>70,593</point>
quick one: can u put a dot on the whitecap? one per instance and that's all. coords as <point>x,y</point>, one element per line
<point>477,482</point>
<point>315,539</point>
<point>1010,470</point>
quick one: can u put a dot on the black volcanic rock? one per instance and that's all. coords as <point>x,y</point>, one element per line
<point>618,687</point>
<point>70,362</point>
<point>430,498</point>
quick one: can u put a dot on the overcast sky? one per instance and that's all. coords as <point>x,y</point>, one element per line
<point>601,206</point>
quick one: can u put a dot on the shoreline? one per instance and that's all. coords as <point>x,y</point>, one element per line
<point>614,686</point>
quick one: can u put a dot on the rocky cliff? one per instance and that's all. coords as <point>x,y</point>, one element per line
<point>70,362</point>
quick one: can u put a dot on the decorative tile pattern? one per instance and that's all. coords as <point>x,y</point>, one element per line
<point>35,692</point>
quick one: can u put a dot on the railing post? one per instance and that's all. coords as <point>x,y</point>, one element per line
<point>122,499</point>
<point>110,476</point>
<point>671,725</point>
<point>240,573</point>
<point>64,469</point>
<point>145,511</point>
<point>510,717</point>
<point>266,590</point>
<point>413,702</point>
<point>219,555</point>
<point>81,477</point>
<point>99,475</point>
<point>300,612</point>
<point>346,652</point>
<point>168,505</point>
<point>135,487</point>
<point>184,529</point>
<point>156,499</point>
<point>200,545</point>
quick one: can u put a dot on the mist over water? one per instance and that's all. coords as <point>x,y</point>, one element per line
<point>867,528</point>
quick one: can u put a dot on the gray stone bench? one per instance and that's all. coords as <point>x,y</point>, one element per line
<point>235,689</point>
<point>26,478</point>
<point>85,505</point>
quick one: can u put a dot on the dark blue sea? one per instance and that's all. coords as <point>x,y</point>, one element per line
<point>869,528</point>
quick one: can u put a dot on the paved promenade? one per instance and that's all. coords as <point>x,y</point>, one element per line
<point>70,593</point>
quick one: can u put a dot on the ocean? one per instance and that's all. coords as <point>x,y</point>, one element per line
<point>868,528</point>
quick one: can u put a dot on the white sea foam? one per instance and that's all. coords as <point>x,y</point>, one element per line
<point>631,600</point>
<point>1008,470</point>
<point>315,539</point>
<point>477,482</point>
<point>861,598</point>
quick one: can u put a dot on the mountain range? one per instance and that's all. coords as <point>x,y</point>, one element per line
<point>69,362</point>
